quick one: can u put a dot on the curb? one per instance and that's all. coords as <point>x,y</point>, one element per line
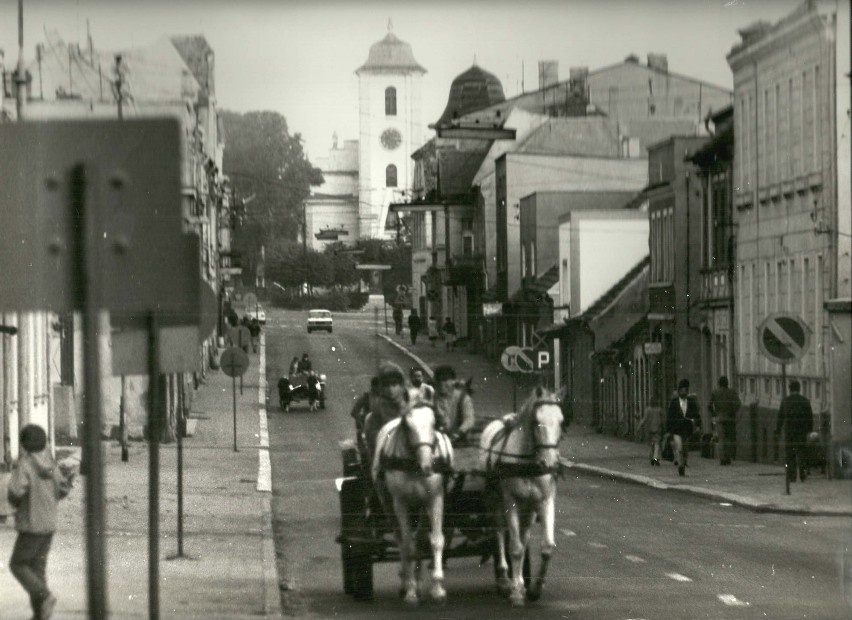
<point>423,364</point>
<point>733,498</point>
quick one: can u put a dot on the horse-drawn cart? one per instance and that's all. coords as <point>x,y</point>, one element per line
<point>367,531</point>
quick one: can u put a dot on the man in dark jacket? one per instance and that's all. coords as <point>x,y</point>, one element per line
<point>796,418</point>
<point>413,325</point>
<point>724,405</point>
<point>682,418</point>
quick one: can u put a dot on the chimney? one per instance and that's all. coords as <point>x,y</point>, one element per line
<point>578,78</point>
<point>660,62</point>
<point>548,73</point>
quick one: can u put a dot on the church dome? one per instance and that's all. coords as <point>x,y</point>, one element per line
<point>391,54</point>
<point>472,90</point>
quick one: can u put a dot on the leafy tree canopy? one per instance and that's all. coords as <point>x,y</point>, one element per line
<point>267,167</point>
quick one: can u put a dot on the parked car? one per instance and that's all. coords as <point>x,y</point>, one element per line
<point>258,313</point>
<point>320,319</point>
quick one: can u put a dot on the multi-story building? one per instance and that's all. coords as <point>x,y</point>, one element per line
<point>173,78</point>
<point>791,252</point>
<point>674,210</point>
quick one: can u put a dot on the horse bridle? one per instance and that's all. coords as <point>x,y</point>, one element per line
<point>431,446</point>
<point>534,418</point>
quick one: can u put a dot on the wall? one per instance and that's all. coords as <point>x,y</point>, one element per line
<point>529,172</point>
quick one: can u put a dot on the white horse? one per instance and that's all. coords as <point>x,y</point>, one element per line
<point>412,461</point>
<point>520,456</point>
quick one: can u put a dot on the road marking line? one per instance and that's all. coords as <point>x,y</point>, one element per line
<point>635,559</point>
<point>568,533</point>
<point>264,465</point>
<point>732,601</point>
<point>597,545</point>
<point>678,577</point>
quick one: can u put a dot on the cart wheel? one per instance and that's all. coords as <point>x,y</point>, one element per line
<point>356,560</point>
<point>361,574</point>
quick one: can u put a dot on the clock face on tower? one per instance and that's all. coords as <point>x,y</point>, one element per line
<point>391,138</point>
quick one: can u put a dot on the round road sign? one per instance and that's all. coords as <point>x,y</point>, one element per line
<point>240,336</point>
<point>525,360</point>
<point>233,362</point>
<point>784,338</point>
<point>508,358</point>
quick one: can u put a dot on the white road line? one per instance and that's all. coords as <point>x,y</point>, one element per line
<point>732,601</point>
<point>264,465</point>
<point>597,545</point>
<point>635,559</point>
<point>568,533</point>
<point>678,577</point>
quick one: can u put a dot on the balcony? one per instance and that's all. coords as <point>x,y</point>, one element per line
<point>716,286</point>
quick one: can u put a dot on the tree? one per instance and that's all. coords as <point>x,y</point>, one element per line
<point>263,160</point>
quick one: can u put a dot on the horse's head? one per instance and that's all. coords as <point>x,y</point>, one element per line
<point>542,414</point>
<point>419,427</point>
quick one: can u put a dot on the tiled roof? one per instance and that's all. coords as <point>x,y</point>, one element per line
<point>592,136</point>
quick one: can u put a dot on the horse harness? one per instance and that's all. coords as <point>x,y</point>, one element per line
<point>529,469</point>
<point>392,462</point>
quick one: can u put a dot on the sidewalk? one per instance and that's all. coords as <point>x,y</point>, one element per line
<point>228,569</point>
<point>756,486</point>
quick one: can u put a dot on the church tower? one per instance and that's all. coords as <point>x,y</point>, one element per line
<point>389,86</point>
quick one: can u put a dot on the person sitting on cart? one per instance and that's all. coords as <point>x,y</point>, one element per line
<point>294,366</point>
<point>453,406</point>
<point>365,404</point>
<point>392,402</point>
<point>305,365</point>
<point>420,390</point>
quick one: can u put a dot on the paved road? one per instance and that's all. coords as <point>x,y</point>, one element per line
<point>624,551</point>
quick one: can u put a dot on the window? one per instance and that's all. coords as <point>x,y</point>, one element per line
<point>390,176</point>
<point>467,244</point>
<point>390,101</point>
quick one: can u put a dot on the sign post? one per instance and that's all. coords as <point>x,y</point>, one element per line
<point>784,339</point>
<point>234,362</point>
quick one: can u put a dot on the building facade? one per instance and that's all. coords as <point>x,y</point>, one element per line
<point>788,253</point>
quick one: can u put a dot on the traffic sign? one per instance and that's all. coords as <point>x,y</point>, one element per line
<point>784,338</point>
<point>508,358</point>
<point>543,359</point>
<point>525,360</point>
<point>233,362</point>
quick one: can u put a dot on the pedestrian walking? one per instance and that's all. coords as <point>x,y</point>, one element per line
<point>651,427</point>
<point>432,327</point>
<point>254,331</point>
<point>414,325</point>
<point>724,406</point>
<point>449,329</point>
<point>453,405</point>
<point>682,418</point>
<point>34,489</point>
<point>796,419</point>
<point>397,319</point>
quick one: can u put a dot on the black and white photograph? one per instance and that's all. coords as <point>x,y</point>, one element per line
<point>438,310</point>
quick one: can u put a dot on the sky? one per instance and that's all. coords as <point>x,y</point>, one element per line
<point>299,57</point>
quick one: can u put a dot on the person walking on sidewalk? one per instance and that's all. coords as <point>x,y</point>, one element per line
<point>34,489</point>
<point>651,427</point>
<point>724,406</point>
<point>254,331</point>
<point>796,419</point>
<point>414,325</point>
<point>453,405</point>
<point>432,327</point>
<point>397,319</point>
<point>449,333</point>
<point>682,418</point>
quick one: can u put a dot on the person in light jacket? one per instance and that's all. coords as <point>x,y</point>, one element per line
<point>34,489</point>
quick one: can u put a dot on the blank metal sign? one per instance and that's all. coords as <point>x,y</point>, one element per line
<point>132,193</point>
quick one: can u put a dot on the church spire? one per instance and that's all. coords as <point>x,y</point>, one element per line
<point>390,25</point>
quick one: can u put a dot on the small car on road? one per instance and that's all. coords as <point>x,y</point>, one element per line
<point>319,319</point>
